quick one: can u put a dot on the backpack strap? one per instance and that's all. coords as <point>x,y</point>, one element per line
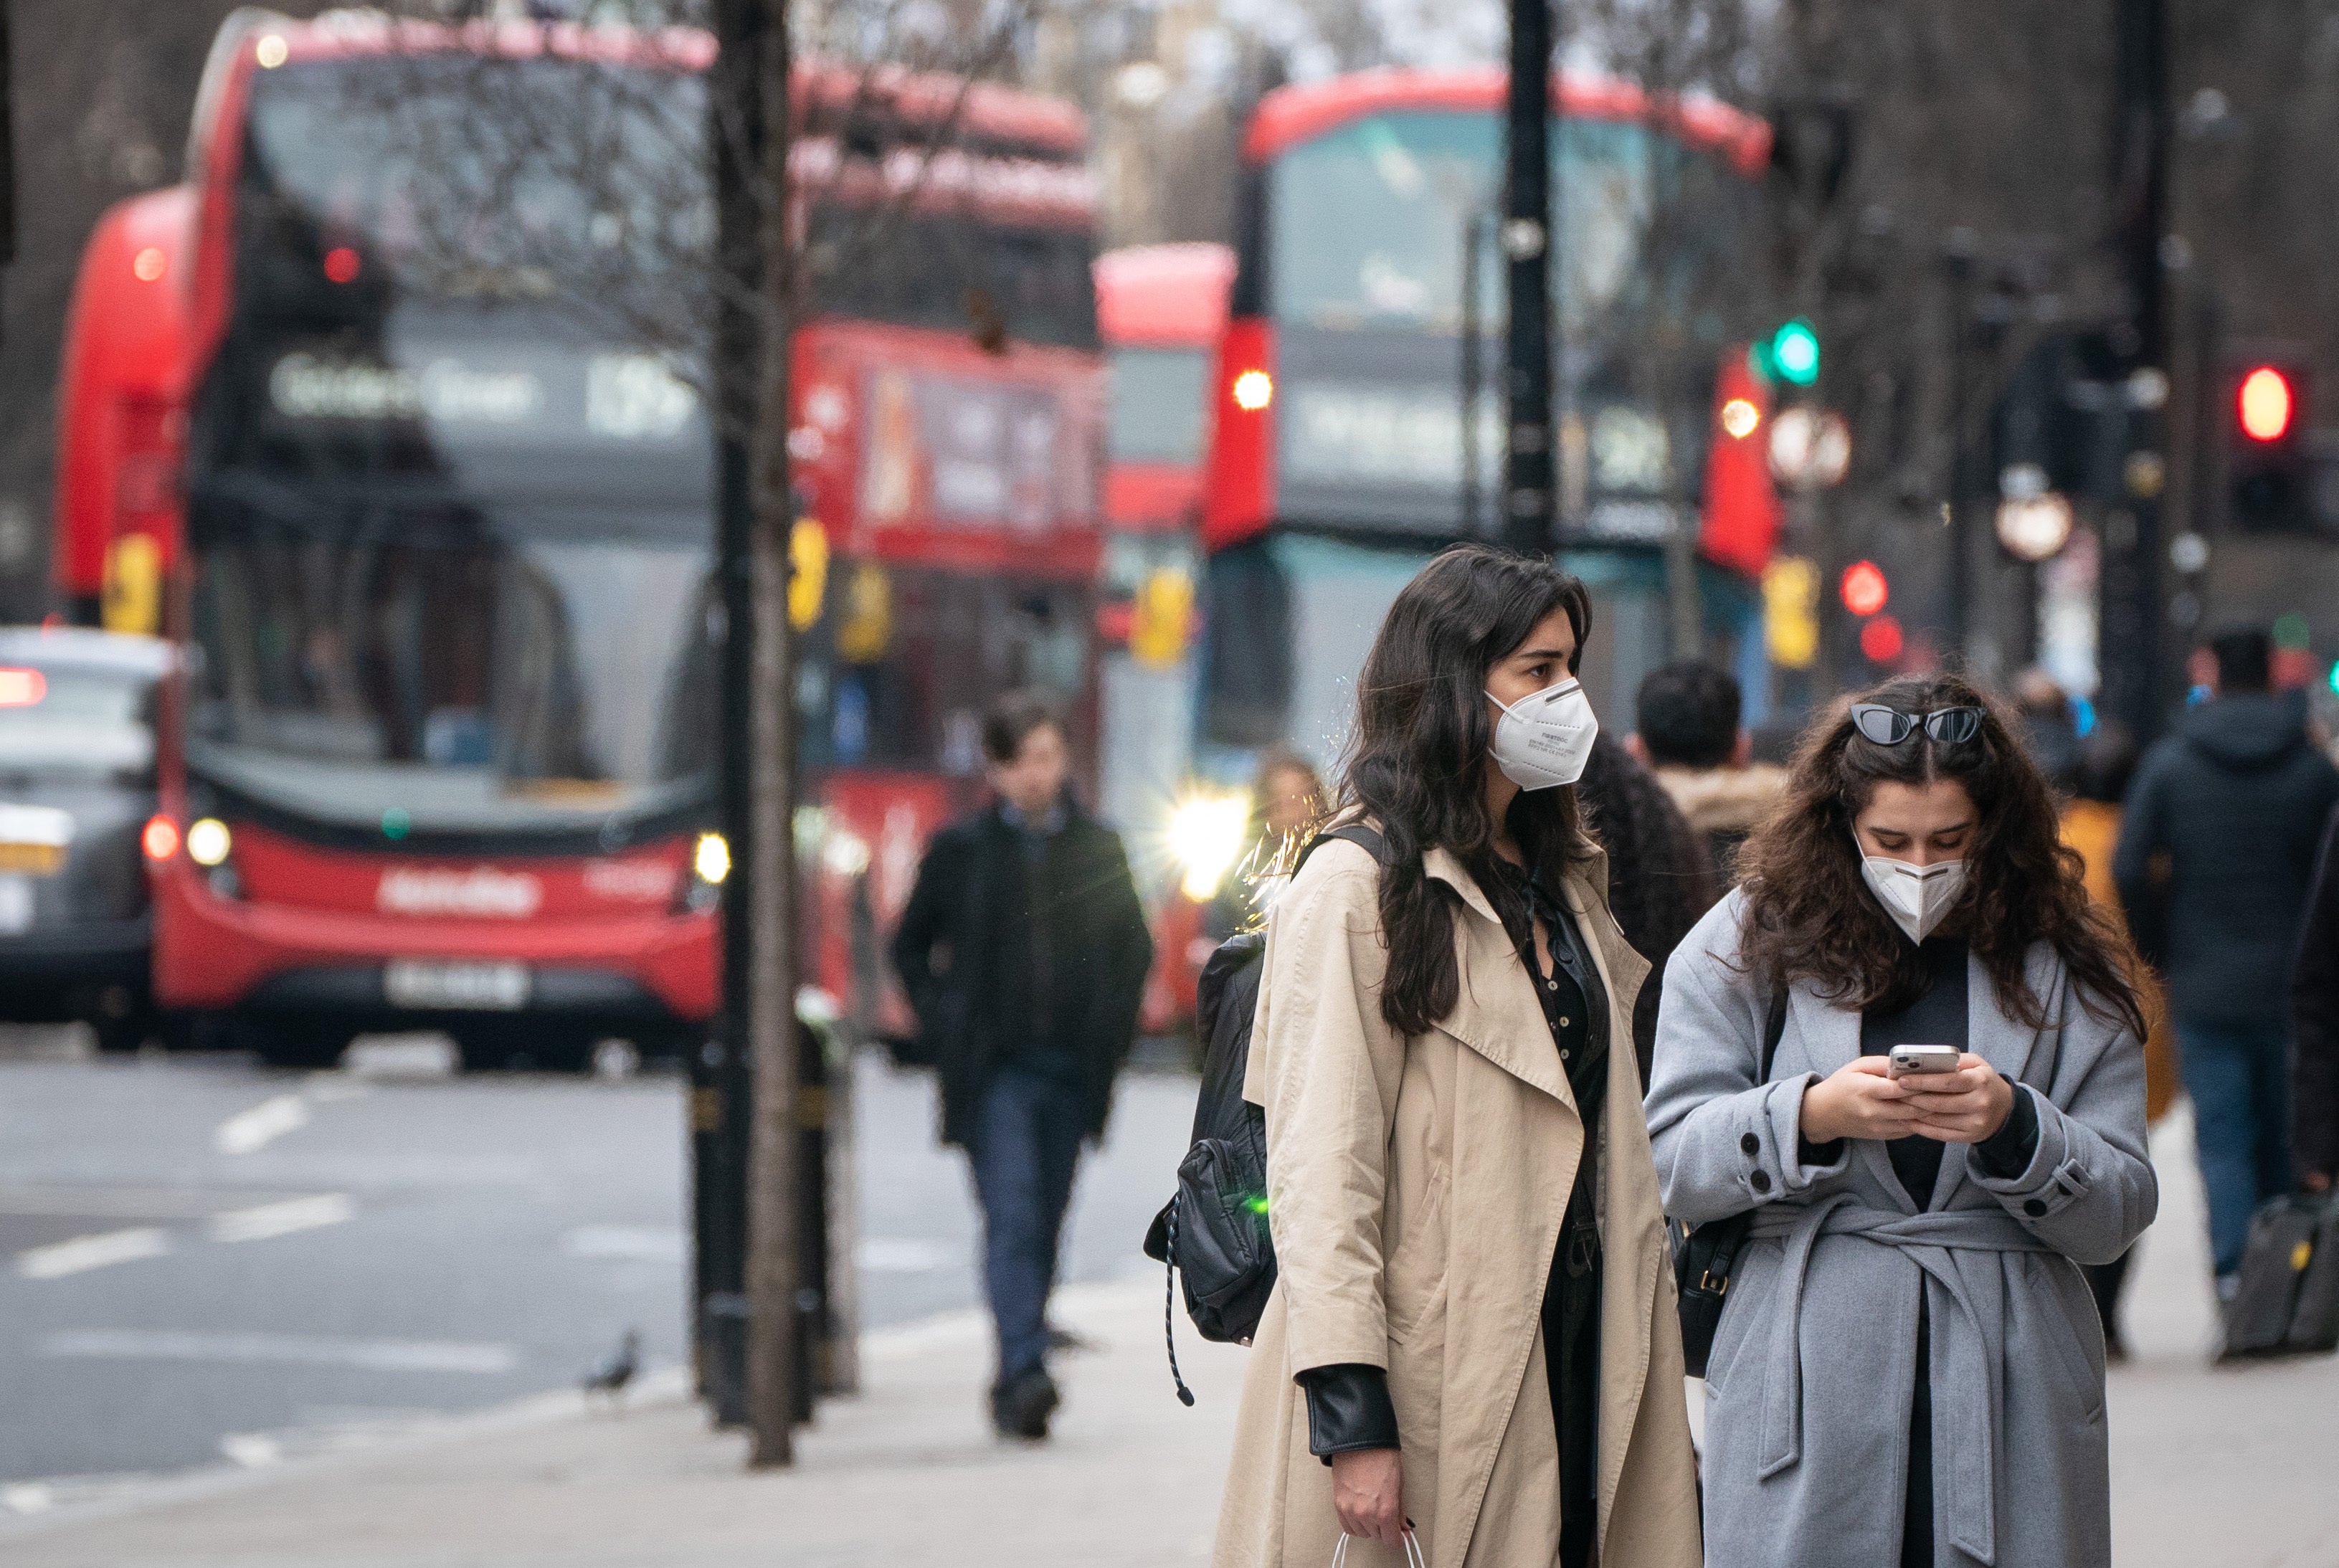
<point>1363,836</point>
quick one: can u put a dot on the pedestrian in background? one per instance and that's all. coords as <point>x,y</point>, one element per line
<point>1660,879</point>
<point>1906,1370</point>
<point>2315,1016</point>
<point>1286,796</point>
<point>1023,950</point>
<point>2106,765</point>
<point>2049,731</point>
<point>2236,799</point>
<point>1690,736</point>
<point>1472,1336</point>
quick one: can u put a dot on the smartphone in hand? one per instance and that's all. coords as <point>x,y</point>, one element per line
<point>1908,1059</point>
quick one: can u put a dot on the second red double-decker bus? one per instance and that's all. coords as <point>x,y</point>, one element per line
<point>361,414</point>
<point>1351,436</point>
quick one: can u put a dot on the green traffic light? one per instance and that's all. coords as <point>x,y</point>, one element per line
<point>2334,677</point>
<point>1795,352</point>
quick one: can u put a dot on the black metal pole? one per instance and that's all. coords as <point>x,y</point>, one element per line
<point>1529,516</point>
<point>721,1083</point>
<point>2129,652</point>
<point>1958,258</point>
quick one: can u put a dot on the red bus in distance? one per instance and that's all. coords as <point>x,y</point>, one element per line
<point>428,500</point>
<point>1161,310</point>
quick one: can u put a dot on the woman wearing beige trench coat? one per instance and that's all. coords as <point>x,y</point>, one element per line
<point>1422,1169</point>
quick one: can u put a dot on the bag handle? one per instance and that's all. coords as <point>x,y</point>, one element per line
<point>1414,1555</point>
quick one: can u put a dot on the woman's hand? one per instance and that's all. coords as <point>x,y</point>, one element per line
<point>1368,1492</point>
<point>1962,1107</point>
<point>1859,1099</point>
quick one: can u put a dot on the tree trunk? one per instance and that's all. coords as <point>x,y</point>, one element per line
<point>772,1198</point>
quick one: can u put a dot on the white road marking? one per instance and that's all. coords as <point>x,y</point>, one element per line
<point>633,1243</point>
<point>901,1255</point>
<point>28,1497</point>
<point>83,1253</point>
<point>369,1354</point>
<point>252,1450</point>
<point>272,1220</point>
<point>248,1130</point>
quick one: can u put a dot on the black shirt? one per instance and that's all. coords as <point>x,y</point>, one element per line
<point>1938,1017</point>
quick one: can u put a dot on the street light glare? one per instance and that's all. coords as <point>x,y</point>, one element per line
<point>1253,390</point>
<point>272,51</point>
<point>1739,417</point>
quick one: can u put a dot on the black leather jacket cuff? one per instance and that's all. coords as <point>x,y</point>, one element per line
<point>2007,1152</point>
<point>1348,1409</point>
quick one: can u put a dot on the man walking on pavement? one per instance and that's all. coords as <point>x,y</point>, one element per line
<point>2236,799</point>
<point>1024,952</point>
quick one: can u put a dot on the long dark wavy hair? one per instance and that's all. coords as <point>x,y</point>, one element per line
<point>1417,757</point>
<point>1809,916</point>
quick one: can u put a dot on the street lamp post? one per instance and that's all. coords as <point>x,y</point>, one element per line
<point>1528,512</point>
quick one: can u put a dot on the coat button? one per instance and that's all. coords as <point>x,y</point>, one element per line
<point>1751,1144</point>
<point>2033,1207</point>
<point>1562,1023</point>
<point>1551,985</point>
<point>1759,1182</point>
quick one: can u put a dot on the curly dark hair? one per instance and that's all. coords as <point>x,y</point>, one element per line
<point>1417,757</point>
<point>1809,916</point>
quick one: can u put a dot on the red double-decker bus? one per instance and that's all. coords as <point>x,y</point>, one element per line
<point>370,414</point>
<point>1161,310</point>
<point>1351,437</point>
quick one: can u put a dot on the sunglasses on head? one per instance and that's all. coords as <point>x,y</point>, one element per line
<point>1890,726</point>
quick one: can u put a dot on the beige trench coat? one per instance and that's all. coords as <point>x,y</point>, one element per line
<point>1416,1188</point>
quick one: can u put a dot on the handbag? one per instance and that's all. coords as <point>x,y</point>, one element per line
<point>2287,1301</point>
<point>1705,1255</point>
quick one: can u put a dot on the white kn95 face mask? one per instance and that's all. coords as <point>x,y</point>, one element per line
<point>1915,896</point>
<point>1543,740</point>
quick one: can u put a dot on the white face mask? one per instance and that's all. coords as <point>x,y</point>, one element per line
<point>1915,896</point>
<point>1543,740</point>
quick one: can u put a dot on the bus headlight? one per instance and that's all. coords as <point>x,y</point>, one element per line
<point>208,842</point>
<point>710,863</point>
<point>1207,835</point>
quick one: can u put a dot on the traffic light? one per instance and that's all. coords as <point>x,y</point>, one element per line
<point>2267,462</point>
<point>1791,354</point>
<point>1863,588</point>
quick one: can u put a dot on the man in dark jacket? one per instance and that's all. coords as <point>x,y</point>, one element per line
<point>1024,952</point>
<point>2236,799</point>
<point>2315,1017</point>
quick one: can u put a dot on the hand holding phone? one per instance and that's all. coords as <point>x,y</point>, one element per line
<point>1957,1097</point>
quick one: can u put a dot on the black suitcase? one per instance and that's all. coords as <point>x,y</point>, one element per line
<point>2288,1300</point>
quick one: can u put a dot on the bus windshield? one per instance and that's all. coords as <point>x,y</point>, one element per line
<point>1370,219</point>
<point>1160,405</point>
<point>445,677</point>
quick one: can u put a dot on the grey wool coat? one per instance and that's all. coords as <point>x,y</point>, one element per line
<point>1812,1371</point>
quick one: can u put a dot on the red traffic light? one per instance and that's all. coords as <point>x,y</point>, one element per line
<point>1864,588</point>
<point>2265,404</point>
<point>1881,640</point>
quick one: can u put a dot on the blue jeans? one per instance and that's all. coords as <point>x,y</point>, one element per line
<point>1026,1146</point>
<point>2238,1075</point>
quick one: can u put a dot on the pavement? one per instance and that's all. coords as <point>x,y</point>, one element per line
<point>206,1263</point>
<point>2222,1467</point>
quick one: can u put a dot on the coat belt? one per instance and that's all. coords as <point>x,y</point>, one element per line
<point>1974,1362</point>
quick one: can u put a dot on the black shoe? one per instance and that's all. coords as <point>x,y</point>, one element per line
<point>1064,1342</point>
<point>1020,1407</point>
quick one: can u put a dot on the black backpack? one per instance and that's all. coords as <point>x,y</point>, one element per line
<point>1214,1230</point>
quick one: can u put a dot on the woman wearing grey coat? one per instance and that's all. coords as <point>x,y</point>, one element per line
<point>1908,1368</point>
